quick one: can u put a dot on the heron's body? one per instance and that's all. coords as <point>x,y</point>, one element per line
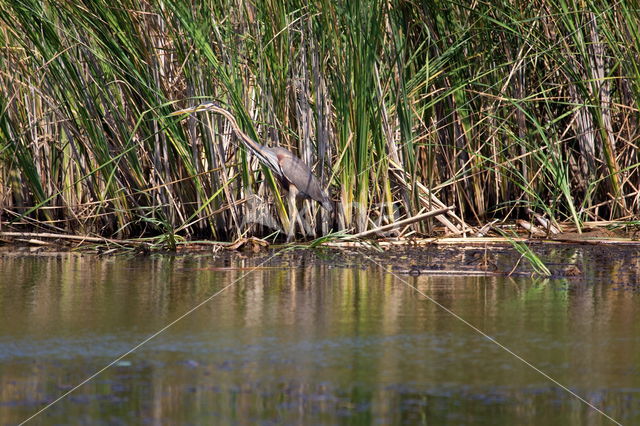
<point>292,173</point>
<point>299,175</point>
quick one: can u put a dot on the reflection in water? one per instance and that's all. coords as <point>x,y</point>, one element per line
<point>324,337</point>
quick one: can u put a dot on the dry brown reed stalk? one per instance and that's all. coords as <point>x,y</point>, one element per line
<point>494,109</point>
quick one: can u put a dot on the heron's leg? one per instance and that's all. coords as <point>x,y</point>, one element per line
<point>300,219</point>
<point>293,213</point>
<point>306,220</point>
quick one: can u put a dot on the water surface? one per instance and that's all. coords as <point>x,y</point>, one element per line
<point>322,337</point>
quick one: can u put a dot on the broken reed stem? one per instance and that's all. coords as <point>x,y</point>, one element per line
<point>66,237</point>
<point>403,222</point>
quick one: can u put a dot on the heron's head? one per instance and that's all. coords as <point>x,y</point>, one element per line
<point>327,204</point>
<point>212,106</point>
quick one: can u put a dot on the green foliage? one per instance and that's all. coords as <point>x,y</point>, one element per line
<point>539,268</point>
<point>489,106</point>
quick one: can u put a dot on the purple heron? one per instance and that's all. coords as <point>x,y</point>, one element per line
<point>293,174</point>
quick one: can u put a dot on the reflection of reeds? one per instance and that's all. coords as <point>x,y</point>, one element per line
<point>489,108</point>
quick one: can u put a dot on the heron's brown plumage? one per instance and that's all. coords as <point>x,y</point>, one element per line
<point>296,172</point>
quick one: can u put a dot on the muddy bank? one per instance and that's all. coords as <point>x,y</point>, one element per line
<point>564,260</point>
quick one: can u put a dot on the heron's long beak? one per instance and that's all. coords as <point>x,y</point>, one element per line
<point>205,106</point>
<point>183,111</point>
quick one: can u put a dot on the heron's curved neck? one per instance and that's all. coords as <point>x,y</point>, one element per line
<point>242,135</point>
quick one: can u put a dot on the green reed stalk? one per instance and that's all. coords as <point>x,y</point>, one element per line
<point>493,106</point>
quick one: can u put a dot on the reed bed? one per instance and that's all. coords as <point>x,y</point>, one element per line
<point>495,108</point>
